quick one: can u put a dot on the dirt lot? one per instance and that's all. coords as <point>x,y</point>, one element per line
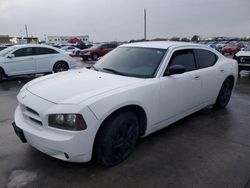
<point>210,148</point>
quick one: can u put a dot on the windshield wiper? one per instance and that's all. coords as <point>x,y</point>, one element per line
<point>115,71</point>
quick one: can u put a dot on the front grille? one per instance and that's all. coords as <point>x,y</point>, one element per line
<point>244,60</point>
<point>31,110</point>
<point>31,115</point>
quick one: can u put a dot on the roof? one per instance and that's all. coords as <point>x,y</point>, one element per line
<point>161,44</point>
<point>32,45</point>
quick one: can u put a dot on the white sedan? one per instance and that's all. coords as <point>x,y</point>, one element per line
<point>71,50</point>
<point>33,59</point>
<point>131,92</point>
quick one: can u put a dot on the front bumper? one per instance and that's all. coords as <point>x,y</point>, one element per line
<point>72,146</point>
<point>244,66</point>
<point>19,132</point>
<point>86,56</point>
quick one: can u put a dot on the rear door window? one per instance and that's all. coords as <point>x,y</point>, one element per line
<point>45,51</point>
<point>205,58</point>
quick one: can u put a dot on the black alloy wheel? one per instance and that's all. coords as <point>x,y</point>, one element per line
<point>117,139</point>
<point>78,53</point>
<point>60,66</point>
<point>1,75</point>
<point>224,94</point>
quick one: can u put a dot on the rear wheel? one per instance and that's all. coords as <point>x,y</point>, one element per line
<point>60,66</point>
<point>117,139</point>
<point>224,94</point>
<point>1,75</point>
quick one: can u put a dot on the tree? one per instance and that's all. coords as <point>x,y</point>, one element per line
<point>185,39</point>
<point>195,38</point>
<point>175,39</point>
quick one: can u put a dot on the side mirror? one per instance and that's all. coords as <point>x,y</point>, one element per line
<point>242,49</point>
<point>175,69</point>
<point>11,56</point>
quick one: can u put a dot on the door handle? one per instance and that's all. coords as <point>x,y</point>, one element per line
<point>222,70</point>
<point>196,77</point>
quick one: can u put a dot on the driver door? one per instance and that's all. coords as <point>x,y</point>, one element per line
<point>21,61</point>
<point>180,93</point>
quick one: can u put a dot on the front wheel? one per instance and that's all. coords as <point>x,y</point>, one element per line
<point>95,57</point>
<point>117,139</point>
<point>60,66</point>
<point>224,94</point>
<point>78,53</point>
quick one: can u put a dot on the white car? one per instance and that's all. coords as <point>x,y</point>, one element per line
<point>71,50</point>
<point>131,92</point>
<point>243,58</point>
<point>33,59</point>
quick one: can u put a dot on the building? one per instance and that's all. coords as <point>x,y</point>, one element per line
<point>65,39</point>
<point>24,40</point>
<point>6,39</point>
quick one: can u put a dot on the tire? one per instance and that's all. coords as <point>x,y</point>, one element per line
<point>239,70</point>
<point>224,94</point>
<point>1,75</point>
<point>95,57</point>
<point>117,139</point>
<point>60,66</point>
<point>78,53</point>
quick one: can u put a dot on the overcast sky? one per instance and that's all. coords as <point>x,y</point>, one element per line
<point>107,20</point>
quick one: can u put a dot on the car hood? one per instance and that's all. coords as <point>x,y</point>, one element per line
<point>74,87</point>
<point>243,53</point>
<point>2,59</point>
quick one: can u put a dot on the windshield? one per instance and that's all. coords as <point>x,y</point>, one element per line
<point>132,61</point>
<point>6,51</point>
<point>247,48</point>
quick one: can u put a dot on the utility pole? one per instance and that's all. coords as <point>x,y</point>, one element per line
<point>26,29</point>
<point>145,24</point>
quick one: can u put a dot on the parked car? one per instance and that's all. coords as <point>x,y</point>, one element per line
<point>131,92</point>
<point>231,49</point>
<point>3,47</point>
<point>72,50</point>
<point>33,59</point>
<point>243,59</point>
<point>220,45</point>
<point>97,51</point>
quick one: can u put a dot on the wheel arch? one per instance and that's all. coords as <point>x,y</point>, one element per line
<point>232,78</point>
<point>134,108</point>
<point>3,71</point>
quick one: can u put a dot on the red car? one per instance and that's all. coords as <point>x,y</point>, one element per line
<point>97,51</point>
<point>232,49</point>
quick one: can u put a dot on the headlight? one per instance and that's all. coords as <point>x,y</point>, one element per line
<point>73,122</point>
<point>87,53</point>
